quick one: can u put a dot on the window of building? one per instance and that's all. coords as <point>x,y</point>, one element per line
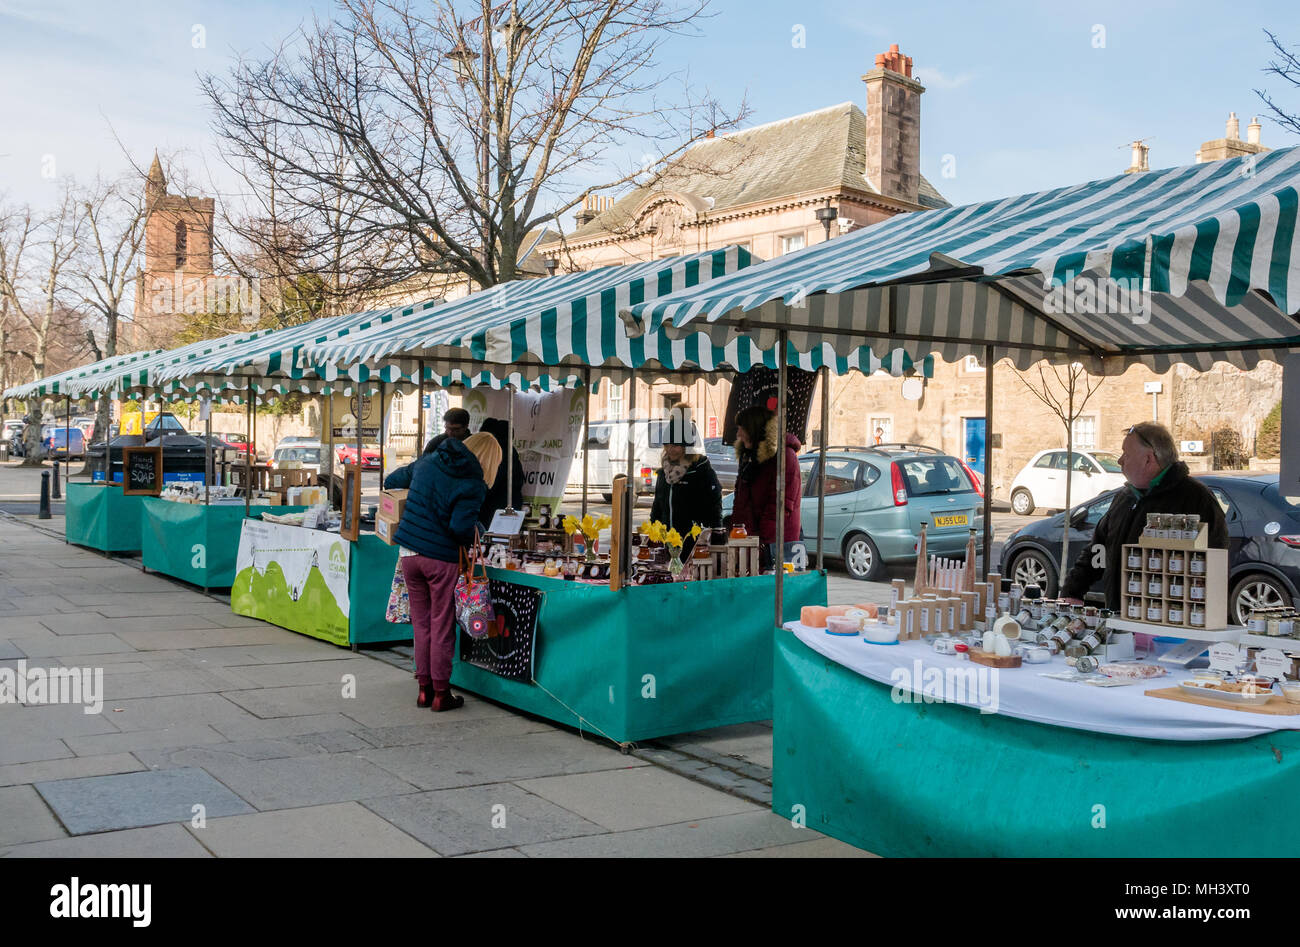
<point>881,431</point>
<point>399,409</point>
<point>615,402</point>
<point>1085,432</point>
<point>182,241</point>
<point>972,363</point>
<point>792,242</point>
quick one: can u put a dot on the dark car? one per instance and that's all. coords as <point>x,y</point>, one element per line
<point>183,454</point>
<point>1263,543</point>
<point>722,457</point>
<point>64,443</point>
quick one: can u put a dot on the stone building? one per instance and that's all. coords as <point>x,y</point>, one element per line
<point>763,189</point>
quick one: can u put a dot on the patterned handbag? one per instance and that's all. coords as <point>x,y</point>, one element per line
<point>399,602</point>
<point>474,596</point>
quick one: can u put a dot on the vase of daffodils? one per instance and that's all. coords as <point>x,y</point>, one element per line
<point>590,529</point>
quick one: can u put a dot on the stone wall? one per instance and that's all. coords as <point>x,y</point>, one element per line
<point>1224,396</point>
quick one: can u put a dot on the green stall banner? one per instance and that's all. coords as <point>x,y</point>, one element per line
<point>649,661</point>
<point>911,779</point>
<point>100,517</point>
<point>194,542</point>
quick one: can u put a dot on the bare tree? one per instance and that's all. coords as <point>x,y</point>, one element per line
<point>1286,66</point>
<point>435,138</point>
<point>1066,396</point>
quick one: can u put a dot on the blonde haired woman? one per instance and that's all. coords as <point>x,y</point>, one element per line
<point>447,486</point>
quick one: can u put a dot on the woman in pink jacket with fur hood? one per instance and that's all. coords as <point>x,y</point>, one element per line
<point>757,440</point>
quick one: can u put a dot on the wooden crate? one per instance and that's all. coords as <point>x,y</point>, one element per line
<point>704,569</point>
<point>278,479</point>
<point>742,557</point>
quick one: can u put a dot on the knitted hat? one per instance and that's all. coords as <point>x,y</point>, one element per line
<point>488,451</point>
<point>679,427</point>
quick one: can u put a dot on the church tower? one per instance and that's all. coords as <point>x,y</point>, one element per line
<point>177,262</point>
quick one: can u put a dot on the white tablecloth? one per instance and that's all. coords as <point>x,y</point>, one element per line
<point>1023,692</point>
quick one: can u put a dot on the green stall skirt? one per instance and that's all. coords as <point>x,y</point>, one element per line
<point>917,779</point>
<point>194,542</point>
<point>649,661</point>
<point>100,517</point>
<point>370,582</point>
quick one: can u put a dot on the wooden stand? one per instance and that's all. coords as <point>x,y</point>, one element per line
<point>988,659</point>
<point>742,557</point>
<point>1215,576</point>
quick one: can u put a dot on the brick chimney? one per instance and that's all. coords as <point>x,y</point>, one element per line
<point>893,144</point>
<point>592,208</point>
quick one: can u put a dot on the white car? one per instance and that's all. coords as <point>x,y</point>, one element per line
<point>1041,483</point>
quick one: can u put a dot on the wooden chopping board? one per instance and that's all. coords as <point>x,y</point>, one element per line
<point>989,659</point>
<point>1276,706</point>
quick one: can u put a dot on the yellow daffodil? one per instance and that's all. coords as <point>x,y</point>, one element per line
<point>570,524</point>
<point>674,538</point>
<point>695,530</point>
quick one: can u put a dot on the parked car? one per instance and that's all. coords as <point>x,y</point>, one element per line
<point>64,443</point>
<point>348,455</point>
<point>238,443</point>
<point>1041,482</point>
<point>308,454</point>
<point>723,458</point>
<point>878,497</point>
<point>297,439</point>
<point>12,427</point>
<point>1263,543</point>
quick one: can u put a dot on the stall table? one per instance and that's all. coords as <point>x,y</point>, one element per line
<point>193,541</point>
<point>647,661</point>
<point>102,518</point>
<point>1060,769</point>
<point>316,583</point>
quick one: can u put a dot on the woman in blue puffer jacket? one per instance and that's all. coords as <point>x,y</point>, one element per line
<point>447,487</point>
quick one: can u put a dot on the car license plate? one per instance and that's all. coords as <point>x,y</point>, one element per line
<point>960,520</point>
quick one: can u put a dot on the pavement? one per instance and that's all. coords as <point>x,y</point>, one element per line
<point>221,735</point>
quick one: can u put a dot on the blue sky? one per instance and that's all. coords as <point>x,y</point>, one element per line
<point>1019,93</point>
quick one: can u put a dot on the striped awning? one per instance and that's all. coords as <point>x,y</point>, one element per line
<point>57,384</point>
<point>567,322</point>
<point>1195,264</point>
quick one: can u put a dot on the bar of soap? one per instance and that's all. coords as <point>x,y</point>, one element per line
<point>870,608</point>
<point>813,616</point>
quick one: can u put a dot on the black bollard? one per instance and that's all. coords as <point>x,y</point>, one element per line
<point>55,494</point>
<point>45,495</point>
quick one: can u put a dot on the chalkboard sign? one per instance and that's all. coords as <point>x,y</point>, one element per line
<point>143,468</point>
<point>350,526</point>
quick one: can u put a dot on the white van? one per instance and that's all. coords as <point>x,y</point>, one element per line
<point>606,450</point>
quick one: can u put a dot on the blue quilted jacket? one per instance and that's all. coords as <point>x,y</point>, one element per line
<point>447,490</point>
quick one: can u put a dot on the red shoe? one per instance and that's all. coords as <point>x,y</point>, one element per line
<point>426,696</point>
<point>446,700</point>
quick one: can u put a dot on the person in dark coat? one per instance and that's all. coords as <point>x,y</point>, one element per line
<point>496,495</point>
<point>455,423</point>
<point>687,492</point>
<point>1158,482</point>
<point>757,441</point>
<point>447,486</point>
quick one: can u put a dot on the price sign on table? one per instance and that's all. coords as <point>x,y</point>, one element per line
<point>1273,663</point>
<point>1225,656</point>
<point>143,471</point>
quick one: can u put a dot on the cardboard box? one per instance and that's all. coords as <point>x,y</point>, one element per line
<point>392,503</point>
<point>386,527</point>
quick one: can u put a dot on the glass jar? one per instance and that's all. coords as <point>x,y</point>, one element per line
<point>1257,623</point>
<point>1094,639</point>
<point>1091,616</point>
<point>1176,561</point>
<point>1153,523</point>
<point>1274,626</point>
<point>1197,591</point>
<point>1175,613</point>
<point>1075,649</point>
<point>1197,616</point>
<point>1286,624</point>
<point>1062,637</point>
<point>1175,586</point>
<point>1135,609</point>
<point>1197,565</point>
<point>1135,559</point>
<point>701,550</point>
<point>1155,586</point>
<point>1155,612</point>
<point>1155,560</point>
<point>1135,584</point>
<point>738,531</point>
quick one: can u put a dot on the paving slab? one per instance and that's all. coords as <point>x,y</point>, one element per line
<point>822,847</point>
<point>50,722</point>
<point>496,853</point>
<point>152,682</point>
<point>161,841</point>
<point>482,728</point>
<point>10,650</point>
<point>448,765</point>
<point>31,751</point>
<point>203,638</point>
<point>133,800</point>
<point>301,649</point>
<point>69,768</point>
<point>26,626</point>
<point>69,645</point>
<point>24,817</point>
<point>95,621</point>
<point>300,781</point>
<point>479,818</point>
<point>343,830</point>
<point>193,734</point>
<point>157,713</point>
<point>253,728</point>
<point>717,836</point>
<point>289,674</point>
<point>638,798</point>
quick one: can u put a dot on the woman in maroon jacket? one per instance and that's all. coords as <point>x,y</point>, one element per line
<point>757,439</point>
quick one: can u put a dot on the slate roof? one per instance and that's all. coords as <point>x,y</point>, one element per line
<point>821,150</point>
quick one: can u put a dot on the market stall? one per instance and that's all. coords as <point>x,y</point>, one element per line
<point>1192,265</point>
<point>103,518</point>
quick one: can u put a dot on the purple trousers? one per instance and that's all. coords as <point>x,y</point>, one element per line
<point>431,587</point>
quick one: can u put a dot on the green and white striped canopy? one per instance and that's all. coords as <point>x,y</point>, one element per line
<point>566,322</point>
<point>57,384</point>
<point>1047,275</point>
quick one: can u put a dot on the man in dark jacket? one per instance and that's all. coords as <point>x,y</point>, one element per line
<point>455,423</point>
<point>687,491</point>
<point>1158,482</point>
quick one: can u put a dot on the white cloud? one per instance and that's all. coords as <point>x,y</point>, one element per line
<point>935,79</point>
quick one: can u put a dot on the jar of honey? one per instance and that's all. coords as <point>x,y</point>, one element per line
<point>738,531</point>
